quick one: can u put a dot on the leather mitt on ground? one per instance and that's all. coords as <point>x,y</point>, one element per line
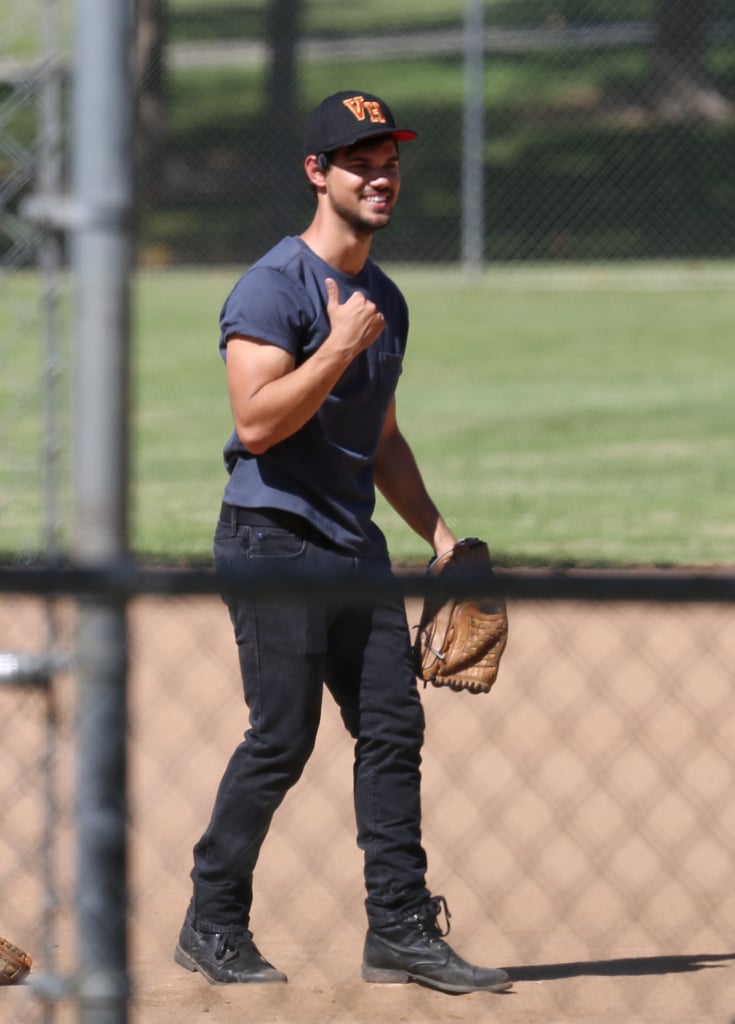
<point>15,963</point>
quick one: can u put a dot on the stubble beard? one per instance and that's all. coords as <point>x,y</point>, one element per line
<point>362,227</point>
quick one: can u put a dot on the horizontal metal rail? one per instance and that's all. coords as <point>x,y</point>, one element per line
<point>25,669</point>
<point>129,580</point>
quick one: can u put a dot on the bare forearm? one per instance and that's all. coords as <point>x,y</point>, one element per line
<point>271,398</point>
<point>282,406</point>
<point>399,480</point>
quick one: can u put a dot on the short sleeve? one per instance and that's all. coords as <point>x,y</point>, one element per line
<point>268,305</point>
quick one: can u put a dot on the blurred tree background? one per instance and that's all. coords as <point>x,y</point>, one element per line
<point>606,129</point>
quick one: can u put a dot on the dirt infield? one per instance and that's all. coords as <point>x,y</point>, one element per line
<point>579,821</point>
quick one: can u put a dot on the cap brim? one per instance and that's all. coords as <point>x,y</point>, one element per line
<point>399,134</point>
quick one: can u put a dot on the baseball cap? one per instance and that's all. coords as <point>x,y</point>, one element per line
<point>350,116</point>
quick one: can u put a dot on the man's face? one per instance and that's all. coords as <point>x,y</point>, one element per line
<point>363,183</point>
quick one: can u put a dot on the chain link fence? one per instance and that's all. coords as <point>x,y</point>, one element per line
<point>586,130</point>
<point>593,130</point>
<point>580,821</point>
<point>34,417</point>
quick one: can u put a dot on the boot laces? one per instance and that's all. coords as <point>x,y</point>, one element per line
<point>429,919</point>
<point>229,943</point>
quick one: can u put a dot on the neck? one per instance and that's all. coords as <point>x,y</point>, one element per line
<point>345,250</point>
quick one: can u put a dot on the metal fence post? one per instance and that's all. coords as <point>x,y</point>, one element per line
<point>100,218</point>
<point>473,139</point>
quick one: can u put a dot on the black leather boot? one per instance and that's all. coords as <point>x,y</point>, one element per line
<point>225,957</point>
<point>413,949</point>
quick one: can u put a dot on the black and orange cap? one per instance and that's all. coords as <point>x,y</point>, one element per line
<point>347,117</point>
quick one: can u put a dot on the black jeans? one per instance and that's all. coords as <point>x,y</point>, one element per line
<point>288,652</point>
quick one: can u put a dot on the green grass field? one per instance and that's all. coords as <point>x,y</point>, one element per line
<point>569,415</point>
<point>579,415</point>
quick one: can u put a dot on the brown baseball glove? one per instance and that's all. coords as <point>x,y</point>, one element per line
<point>460,640</point>
<point>15,963</point>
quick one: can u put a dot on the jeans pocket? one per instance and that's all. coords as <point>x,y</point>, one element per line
<point>272,542</point>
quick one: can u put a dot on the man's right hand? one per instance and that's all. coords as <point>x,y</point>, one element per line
<point>356,324</point>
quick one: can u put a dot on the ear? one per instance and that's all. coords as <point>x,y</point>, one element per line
<point>316,177</point>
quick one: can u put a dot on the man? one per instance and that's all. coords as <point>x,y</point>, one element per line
<point>314,336</point>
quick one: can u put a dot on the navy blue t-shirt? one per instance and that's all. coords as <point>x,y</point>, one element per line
<point>323,472</point>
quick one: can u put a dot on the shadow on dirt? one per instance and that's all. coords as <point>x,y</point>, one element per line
<point>624,967</point>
